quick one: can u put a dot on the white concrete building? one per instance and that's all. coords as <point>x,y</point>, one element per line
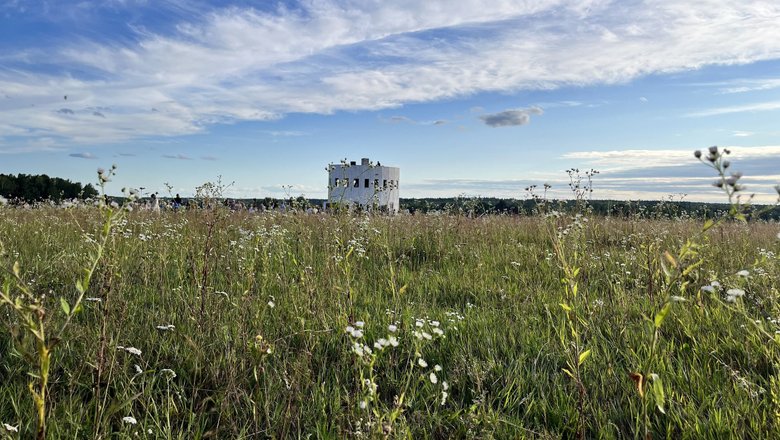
<point>369,185</point>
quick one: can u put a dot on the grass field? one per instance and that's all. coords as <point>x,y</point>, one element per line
<point>217,324</point>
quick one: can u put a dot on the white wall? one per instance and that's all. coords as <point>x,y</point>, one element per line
<point>385,194</point>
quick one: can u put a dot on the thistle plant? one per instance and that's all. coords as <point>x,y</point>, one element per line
<point>39,340</point>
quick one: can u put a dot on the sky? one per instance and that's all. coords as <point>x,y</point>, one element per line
<point>467,97</point>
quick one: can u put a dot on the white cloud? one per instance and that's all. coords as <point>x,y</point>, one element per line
<point>753,107</point>
<point>240,64</point>
<point>619,160</point>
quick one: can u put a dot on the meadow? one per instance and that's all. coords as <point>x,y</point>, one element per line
<point>208,323</point>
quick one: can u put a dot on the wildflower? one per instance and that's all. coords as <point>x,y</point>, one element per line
<point>131,350</point>
<point>392,328</point>
<point>438,331</point>
<point>444,395</point>
<point>138,369</point>
<point>165,328</point>
<point>445,385</point>
<point>10,428</point>
<point>363,404</point>
<point>433,378</point>
<point>715,284</point>
<point>676,298</point>
<point>358,349</point>
<point>360,324</point>
<point>708,289</point>
<point>419,323</point>
<point>735,292</point>
<point>169,373</point>
<point>437,367</point>
<point>393,341</point>
<point>421,362</point>
<point>743,273</point>
<point>271,304</point>
<point>130,419</point>
<point>427,336</point>
<point>93,299</point>
<point>435,323</point>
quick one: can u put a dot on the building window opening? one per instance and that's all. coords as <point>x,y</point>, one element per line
<point>336,184</point>
<point>376,183</point>
<point>356,183</point>
<point>384,183</point>
<point>365,183</point>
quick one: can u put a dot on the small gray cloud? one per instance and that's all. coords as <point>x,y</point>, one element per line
<point>399,119</point>
<point>66,111</point>
<point>209,158</point>
<point>642,99</point>
<point>440,122</point>
<point>83,155</point>
<point>510,118</point>
<point>98,114</point>
<point>176,156</point>
<point>127,154</point>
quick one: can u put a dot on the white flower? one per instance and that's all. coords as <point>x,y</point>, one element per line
<point>708,289</point>
<point>676,298</point>
<point>138,369</point>
<point>358,349</point>
<point>437,367</point>
<point>445,385</point>
<point>166,327</point>
<point>357,334</point>
<point>417,335</point>
<point>363,404</point>
<point>360,324</point>
<point>427,336</point>
<point>392,328</point>
<point>435,323</point>
<point>8,427</point>
<point>715,284</point>
<point>350,329</point>
<point>444,395</point>
<point>168,372</point>
<point>421,362</point>
<point>271,304</point>
<point>743,273</point>
<point>438,331</point>
<point>433,378</point>
<point>93,299</point>
<point>130,419</point>
<point>735,292</point>
<point>419,323</point>
<point>131,350</point>
<point>393,341</point>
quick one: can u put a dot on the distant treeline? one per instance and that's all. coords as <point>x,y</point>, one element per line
<point>619,208</point>
<point>476,206</point>
<point>33,188</point>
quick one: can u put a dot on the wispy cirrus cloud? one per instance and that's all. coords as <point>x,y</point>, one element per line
<point>244,64</point>
<point>752,107</point>
<point>83,155</point>
<point>177,156</point>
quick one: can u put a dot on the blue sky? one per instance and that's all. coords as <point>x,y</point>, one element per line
<point>466,96</point>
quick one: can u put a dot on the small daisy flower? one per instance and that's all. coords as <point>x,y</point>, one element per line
<point>421,362</point>
<point>743,273</point>
<point>130,420</point>
<point>433,378</point>
<point>392,328</point>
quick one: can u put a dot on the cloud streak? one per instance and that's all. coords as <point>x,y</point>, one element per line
<point>509,118</point>
<point>244,64</point>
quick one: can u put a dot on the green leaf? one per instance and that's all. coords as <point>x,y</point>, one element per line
<point>708,224</point>
<point>65,306</point>
<point>16,269</point>
<point>79,286</point>
<point>565,306</point>
<point>584,355</point>
<point>661,315</point>
<point>658,392</point>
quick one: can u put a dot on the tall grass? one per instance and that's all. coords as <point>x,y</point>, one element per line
<point>292,331</point>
